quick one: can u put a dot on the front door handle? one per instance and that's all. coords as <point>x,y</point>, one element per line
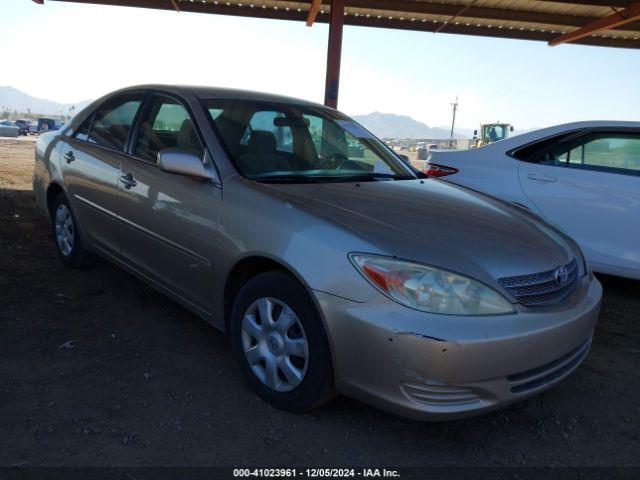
<point>69,156</point>
<point>128,180</point>
<point>540,177</point>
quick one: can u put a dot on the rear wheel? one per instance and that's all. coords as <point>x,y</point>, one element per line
<point>280,344</point>
<point>66,235</point>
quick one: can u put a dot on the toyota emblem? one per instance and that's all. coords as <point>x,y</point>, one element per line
<point>561,276</point>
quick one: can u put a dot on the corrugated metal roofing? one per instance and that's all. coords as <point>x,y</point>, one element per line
<point>541,20</point>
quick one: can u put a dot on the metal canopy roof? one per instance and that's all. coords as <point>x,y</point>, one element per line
<point>608,23</point>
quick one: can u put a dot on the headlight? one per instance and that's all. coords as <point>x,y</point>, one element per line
<point>430,289</point>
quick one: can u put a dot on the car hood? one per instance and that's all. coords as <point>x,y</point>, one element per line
<point>437,223</point>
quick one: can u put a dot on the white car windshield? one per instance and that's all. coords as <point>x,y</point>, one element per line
<point>273,142</point>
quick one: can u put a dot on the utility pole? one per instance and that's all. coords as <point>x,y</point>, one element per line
<point>453,123</point>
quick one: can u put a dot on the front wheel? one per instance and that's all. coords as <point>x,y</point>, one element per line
<point>279,341</point>
<point>66,235</point>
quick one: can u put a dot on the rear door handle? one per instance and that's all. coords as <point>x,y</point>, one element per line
<point>128,180</point>
<point>539,177</point>
<point>69,156</point>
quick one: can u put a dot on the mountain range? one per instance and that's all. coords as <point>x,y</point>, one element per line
<point>389,125</point>
<point>14,99</point>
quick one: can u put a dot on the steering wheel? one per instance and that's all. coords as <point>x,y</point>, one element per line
<point>335,160</point>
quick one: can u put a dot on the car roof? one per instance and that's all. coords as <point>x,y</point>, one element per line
<point>224,93</point>
<point>535,135</point>
<point>203,92</point>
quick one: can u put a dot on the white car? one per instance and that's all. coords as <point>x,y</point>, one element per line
<point>583,177</point>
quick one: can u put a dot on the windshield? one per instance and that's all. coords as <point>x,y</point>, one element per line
<point>273,142</point>
<point>495,133</point>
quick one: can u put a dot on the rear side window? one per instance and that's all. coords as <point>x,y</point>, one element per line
<point>613,152</point>
<point>532,151</point>
<point>113,120</point>
<point>167,124</point>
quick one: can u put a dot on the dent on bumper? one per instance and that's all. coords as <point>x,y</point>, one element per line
<point>436,367</point>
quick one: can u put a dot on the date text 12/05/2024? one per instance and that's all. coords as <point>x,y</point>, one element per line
<point>315,473</point>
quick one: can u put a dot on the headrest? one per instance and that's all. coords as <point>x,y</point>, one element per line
<point>262,142</point>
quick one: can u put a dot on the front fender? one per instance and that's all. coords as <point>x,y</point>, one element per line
<point>47,170</point>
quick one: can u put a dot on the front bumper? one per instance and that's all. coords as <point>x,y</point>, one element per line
<point>438,367</point>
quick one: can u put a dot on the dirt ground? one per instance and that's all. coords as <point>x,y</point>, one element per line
<point>98,369</point>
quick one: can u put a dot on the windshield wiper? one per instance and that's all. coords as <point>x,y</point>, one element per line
<point>374,176</point>
<point>298,178</point>
<point>294,178</point>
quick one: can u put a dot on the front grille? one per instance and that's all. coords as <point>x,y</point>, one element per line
<point>538,377</point>
<point>541,288</point>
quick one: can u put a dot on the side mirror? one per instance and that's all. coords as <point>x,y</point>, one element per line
<point>183,162</point>
<point>475,133</point>
<point>404,157</point>
<point>511,128</point>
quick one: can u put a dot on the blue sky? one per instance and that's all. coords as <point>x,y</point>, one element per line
<point>83,51</point>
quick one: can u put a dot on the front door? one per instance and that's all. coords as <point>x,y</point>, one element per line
<point>590,187</point>
<point>168,222</point>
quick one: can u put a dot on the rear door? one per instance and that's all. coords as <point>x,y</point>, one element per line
<point>169,222</point>
<point>590,187</point>
<point>91,161</point>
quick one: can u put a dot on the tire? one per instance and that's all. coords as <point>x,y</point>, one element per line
<point>283,346</point>
<point>66,234</point>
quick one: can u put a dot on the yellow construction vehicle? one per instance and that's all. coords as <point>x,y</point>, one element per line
<point>491,132</point>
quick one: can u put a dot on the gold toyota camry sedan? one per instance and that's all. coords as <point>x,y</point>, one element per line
<point>332,264</point>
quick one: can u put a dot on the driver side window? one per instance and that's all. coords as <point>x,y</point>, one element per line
<point>166,125</point>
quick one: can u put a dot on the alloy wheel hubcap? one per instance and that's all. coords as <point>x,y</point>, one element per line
<point>65,230</point>
<point>275,344</point>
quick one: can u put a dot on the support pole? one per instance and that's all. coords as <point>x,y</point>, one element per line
<point>334,52</point>
<point>453,122</point>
